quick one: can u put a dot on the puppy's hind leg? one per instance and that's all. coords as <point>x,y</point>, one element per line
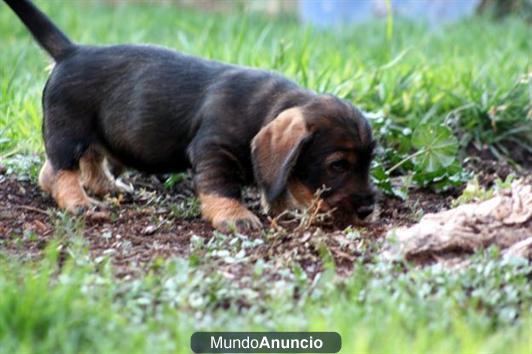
<point>65,187</point>
<point>66,139</point>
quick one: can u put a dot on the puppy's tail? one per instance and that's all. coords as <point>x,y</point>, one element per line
<point>45,32</point>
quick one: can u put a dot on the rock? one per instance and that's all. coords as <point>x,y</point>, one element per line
<point>149,230</point>
<point>504,220</point>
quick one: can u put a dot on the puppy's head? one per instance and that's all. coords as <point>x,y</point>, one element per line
<point>326,142</point>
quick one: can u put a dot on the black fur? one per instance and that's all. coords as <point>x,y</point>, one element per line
<point>44,31</point>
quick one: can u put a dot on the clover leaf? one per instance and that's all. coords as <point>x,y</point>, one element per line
<point>437,147</point>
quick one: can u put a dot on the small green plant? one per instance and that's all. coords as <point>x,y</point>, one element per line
<point>24,166</point>
<point>173,179</point>
<point>474,192</point>
<point>187,208</point>
<point>434,162</point>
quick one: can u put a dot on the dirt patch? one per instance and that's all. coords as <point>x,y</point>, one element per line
<point>487,170</point>
<point>135,230</point>
<point>157,221</point>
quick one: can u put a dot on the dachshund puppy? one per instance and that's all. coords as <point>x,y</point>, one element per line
<point>159,111</point>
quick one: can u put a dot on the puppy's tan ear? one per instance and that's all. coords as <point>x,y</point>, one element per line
<point>275,149</point>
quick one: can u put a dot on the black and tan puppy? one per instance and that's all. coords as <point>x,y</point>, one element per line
<point>158,111</point>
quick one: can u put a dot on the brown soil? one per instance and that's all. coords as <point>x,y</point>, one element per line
<point>489,170</point>
<point>138,228</point>
<point>158,222</point>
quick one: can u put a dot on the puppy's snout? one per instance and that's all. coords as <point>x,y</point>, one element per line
<point>364,204</point>
<point>363,211</point>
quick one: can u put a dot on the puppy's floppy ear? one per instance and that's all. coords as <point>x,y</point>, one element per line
<point>275,149</point>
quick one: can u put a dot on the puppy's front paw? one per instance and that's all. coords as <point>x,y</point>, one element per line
<point>228,214</point>
<point>240,224</point>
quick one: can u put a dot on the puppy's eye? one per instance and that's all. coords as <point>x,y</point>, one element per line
<point>339,165</point>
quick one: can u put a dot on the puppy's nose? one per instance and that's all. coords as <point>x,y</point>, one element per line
<point>363,211</point>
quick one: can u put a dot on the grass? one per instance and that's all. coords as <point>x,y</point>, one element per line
<point>469,82</point>
<point>75,305</point>
<point>469,75</point>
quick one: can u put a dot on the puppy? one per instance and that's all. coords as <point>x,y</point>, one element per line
<point>159,111</point>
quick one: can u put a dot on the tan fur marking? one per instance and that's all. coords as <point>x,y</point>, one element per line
<point>68,192</point>
<point>95,176</point>
<point>47,177</point>
<point>301,194</point>
<point>298,196</point>
<point>222,210</point>
<point>274,142</point>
